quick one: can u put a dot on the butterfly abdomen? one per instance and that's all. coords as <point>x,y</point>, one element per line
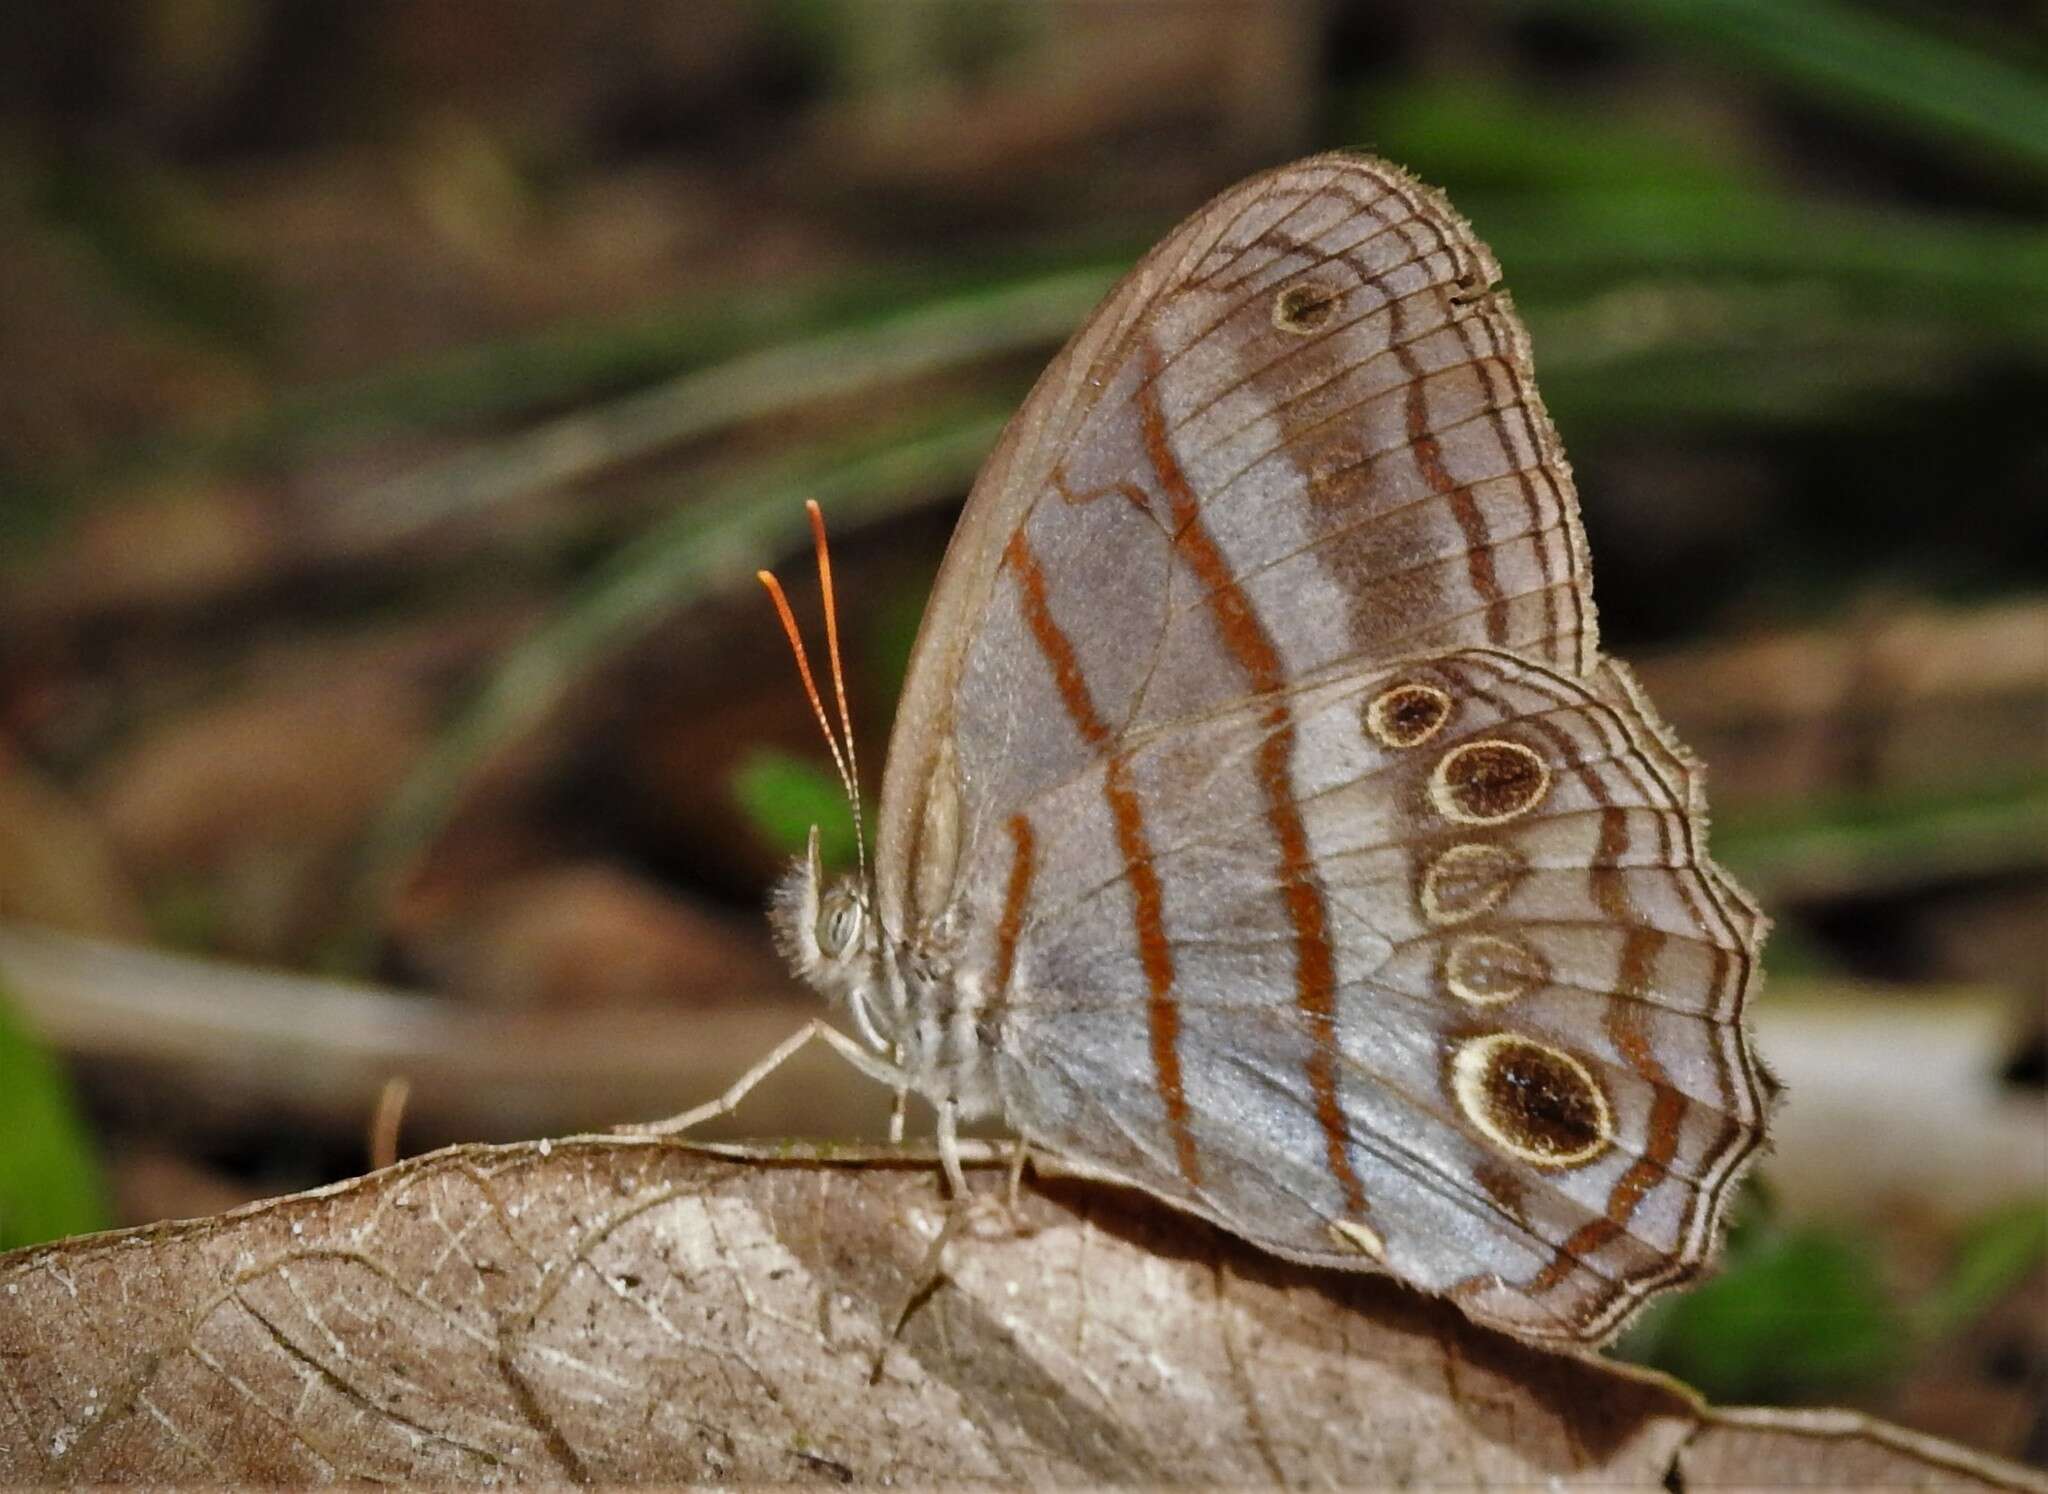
<point>947,1033</point>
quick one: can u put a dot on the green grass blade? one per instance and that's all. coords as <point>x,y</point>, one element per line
<point>1996,1255</point>
<point>587,362</point>
<point>923,340</point>
<point>713,542</point>
<point>1866,843</point>
<point>1902,77</point>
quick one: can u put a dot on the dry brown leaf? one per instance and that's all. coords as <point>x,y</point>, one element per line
<point>618,1311</point>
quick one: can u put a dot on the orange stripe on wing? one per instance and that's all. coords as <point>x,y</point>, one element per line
<point>1315,970</point>
<point>1148,902</point>
<point>1162,1012</point>
<point>1429,457</point>
<point>1429,460</point>
<point>1016,898</point>
<point>1023,865</point>
<point>1639,951</point>
<point>1053,643</point>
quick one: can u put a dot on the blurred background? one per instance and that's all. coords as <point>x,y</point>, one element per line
<point>396,398</point>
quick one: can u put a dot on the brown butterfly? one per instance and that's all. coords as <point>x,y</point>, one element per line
<point>1262,824</point>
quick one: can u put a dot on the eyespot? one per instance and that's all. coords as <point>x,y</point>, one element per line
<point>1466,880</point>
<point>1486,969</point>
<point>840,917</point>
<point>1490,782</point>
<point>1407,715</point>
<point>1302,309</point>
<point>1537,1103</point>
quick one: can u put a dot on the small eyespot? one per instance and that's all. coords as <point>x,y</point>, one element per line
<point>1466,880</point>
<point>1407,715</point>
<point>1486,969</point>
<point>839,923</point>
<point>1303,309</point>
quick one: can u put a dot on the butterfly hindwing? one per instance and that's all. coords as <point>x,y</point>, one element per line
<point>1529,1085</point>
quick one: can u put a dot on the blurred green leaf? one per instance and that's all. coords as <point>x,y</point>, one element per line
<point>1902,77</point>
<point>1794,1316</point>
<point>584,362</point>
<point>1996,1254</point>
<point>784,796</point>
<point>49,1178</point>
<point>1803,1314</point>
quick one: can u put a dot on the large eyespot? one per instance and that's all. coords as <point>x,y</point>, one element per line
<point>840,916</point>
<point>1490,782</point>
<point>1535,1102</point>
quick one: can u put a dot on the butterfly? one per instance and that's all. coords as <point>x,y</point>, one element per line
<point>1262,825</point>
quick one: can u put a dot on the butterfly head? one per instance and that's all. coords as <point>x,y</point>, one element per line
<point>829,933</point>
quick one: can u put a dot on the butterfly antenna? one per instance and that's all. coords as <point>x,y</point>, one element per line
<point>803,668</point>
<point>852,769</point>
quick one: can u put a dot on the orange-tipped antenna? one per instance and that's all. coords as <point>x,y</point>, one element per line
<point>838,675</point>
<point>803,668</point>
<point>843,760</point>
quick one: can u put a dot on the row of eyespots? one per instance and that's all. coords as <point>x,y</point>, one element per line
<point>1533,1101</point>
<point>1483,783</point>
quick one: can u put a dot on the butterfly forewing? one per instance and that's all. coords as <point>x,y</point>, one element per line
<point>1259,777</point>
<point>1315,367</point>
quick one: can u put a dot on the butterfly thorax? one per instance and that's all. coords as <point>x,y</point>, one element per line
<point>906,998</point>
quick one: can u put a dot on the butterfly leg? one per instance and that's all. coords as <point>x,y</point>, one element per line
<point>1016,1180</point>
<point>875,1068</point>
<point>897,1110</point>
<point>949,1148</point>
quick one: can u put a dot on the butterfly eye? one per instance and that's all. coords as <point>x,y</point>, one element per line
<point>839,922</point>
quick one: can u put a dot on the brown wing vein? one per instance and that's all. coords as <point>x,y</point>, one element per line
<point>1301,893</point>
<point>1148,904</point>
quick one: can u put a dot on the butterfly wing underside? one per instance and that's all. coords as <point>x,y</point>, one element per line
<point>1258,752</point>
<point>1519,1075</point>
